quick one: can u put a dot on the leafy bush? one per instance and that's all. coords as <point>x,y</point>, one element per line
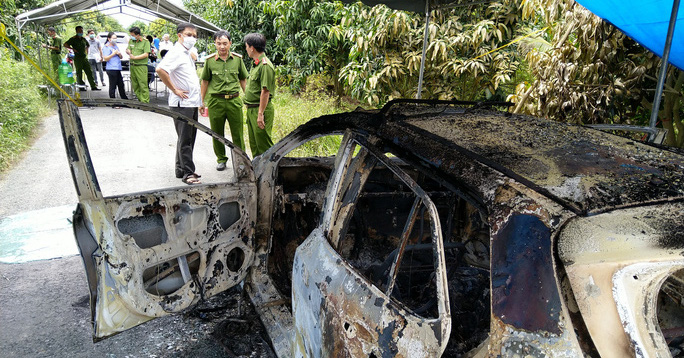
<point>291,111</point>
<point>22,106</point>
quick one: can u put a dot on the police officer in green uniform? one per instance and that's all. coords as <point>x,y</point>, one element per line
<point>222,77</point>
<point>260,88</point>
<point>55,47</point>
<point>138,50</point>
<point>80,47</point>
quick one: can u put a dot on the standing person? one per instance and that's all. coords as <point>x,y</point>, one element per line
<point>178,73</point>
<point>156,42</point>
<point>80,47</point>
<point>55,47</point>
<point>260,88</point>
<point>95,56</point>
<point>138,50</point>
<point>165,45</point>
<point>222,77</point>
<point>113,56</point>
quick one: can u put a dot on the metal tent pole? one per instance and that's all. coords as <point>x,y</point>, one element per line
<point>425,40</point>
<point>663,70</point>
<point>21,41</point>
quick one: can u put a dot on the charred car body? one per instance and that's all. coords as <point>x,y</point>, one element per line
<point>437,229</point>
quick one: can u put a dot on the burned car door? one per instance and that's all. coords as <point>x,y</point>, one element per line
<point>342,307</point>
<point>154,253</point>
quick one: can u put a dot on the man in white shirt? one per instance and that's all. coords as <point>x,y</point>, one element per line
<point>165,45</point>
<point>177,71</point>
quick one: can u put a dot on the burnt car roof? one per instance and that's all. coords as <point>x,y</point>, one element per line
<point>584,169</point>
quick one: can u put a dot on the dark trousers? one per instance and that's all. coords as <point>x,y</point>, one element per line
<point>82,65</point>
<point>116,80</point>
<point>186,142</point>
<point>96,66</point>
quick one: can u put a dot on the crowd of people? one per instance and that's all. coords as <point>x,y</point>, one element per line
<point>216,90</point>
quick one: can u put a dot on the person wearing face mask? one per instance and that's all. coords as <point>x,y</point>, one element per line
<point>112,56</point>
<point>79,46</point>
<point>138,50</point>
<point>95,56</point>
<point>222,78</point>
<point>177,71</point>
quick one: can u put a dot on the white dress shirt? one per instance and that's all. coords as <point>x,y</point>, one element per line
<point>165,45</point>
<point>183,75</point>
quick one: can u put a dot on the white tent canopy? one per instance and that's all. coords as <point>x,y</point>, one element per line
<point>62,9</point>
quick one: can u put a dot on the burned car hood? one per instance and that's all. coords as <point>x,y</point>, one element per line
<point>585,170</point>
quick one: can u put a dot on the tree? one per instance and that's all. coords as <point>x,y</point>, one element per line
<point>9,9</point>
<point>590,72</point>
<point>144,30</point>
<point>160,27</point>
<point>310,39</point>
<point>385,56</point>
<point>238,17</point>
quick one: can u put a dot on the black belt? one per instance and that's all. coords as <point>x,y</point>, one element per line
<point>226,96</point>
<point>249,105</point>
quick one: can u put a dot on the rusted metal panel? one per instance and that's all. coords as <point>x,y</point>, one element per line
<point>340,314</point>
<point>586,169</point>
<point>157,252</point>
<point>524,289</point>
<point>616,263</point>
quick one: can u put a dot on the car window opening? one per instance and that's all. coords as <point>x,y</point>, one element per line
<point>372,239</point>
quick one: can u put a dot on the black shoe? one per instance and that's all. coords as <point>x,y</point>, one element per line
<point>221,166</point>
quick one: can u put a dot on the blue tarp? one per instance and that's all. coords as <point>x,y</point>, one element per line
<point>645,21</point>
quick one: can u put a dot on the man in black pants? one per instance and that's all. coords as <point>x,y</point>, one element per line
<point>178,73</point>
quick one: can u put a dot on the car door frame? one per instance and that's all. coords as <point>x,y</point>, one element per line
<point>117,302</point>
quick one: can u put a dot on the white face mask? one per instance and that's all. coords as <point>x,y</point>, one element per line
<point>189,42</point>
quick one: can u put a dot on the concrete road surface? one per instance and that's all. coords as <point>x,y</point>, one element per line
<point>43,304</point>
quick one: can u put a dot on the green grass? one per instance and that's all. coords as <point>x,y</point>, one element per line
<point>22,107</point>
<point>291,111</point>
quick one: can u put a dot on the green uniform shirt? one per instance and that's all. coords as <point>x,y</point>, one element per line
<point>56,42</point>
<point>224,76</point>
<point>261,76</point>
<point>80,46</point>
<point>138,48</point>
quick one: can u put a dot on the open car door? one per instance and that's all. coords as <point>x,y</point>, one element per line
<point>153,253</point>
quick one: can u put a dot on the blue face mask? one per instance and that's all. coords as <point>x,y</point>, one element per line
<point>79,34</point>
<point>133,38</point>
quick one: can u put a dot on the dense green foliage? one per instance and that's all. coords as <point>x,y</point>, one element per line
<point>293,110</point>
<point>552,58</point>
<point>21,109</point>
<point>238,17</point>
<point>31,36</point>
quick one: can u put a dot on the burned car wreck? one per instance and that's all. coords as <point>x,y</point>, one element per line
<point>438,228</point>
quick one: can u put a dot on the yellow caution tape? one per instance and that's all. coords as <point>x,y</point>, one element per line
<point>508,44</point>
<point>3,34</point>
